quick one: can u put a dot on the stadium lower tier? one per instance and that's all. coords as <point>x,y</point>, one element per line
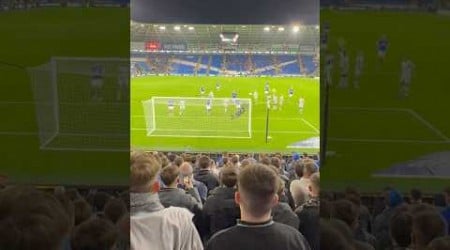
<point>235,64</point>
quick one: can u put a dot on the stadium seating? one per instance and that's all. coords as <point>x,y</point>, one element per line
<point>224,64</point>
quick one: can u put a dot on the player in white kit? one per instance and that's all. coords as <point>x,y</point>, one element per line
<point>97,72</point>
<point>123,83</point>
<point>344,65</point>
<point>225,105</point>
<point>275,102</point>
<point>255,96</point>
<point>182,107</point>
<point>208,106</point>
<point>407,68</point>
<point>281,99</point>
<point>269,101</point>
<point>359,63</point>
<point>301,104</point>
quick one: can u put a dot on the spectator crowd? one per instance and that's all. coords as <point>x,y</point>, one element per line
<point>191,202</point>
<point>235,202</point>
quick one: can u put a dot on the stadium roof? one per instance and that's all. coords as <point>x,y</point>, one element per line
<point>209,33</point>
<point>226,12</point>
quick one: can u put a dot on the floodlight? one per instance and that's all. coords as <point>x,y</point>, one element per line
<point>266,28</point>
<point>191,28</point>
<point>176,28</point>
<point>281,29</point>
<point>162,27</point>
<point>295,29</point>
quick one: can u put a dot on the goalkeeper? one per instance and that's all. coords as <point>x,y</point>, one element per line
<point>238,113</point>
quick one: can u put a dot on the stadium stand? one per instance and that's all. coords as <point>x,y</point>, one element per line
<point>241,64</point>
<point>169,49</point>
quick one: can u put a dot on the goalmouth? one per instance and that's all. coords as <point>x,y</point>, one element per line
<point>198,117</point>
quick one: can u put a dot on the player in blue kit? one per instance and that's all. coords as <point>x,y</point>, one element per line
<point>382,47</point>
<point>170,106</point>
<point>202,90</point>
<point>97,72</point>
<point>267,88</point>
<point>291,92</point>
<point>208,106</point>
<point>234,96</point>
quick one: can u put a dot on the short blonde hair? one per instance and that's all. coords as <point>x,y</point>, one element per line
<point>309,166</point>
<point>144,167</point>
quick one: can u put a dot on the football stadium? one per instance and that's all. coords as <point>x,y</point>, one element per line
<point>382,135</point>
<point>214,88</point>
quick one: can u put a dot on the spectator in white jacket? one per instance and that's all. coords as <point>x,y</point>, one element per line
<point>152,225</point>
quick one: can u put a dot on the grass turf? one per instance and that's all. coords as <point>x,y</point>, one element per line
<point>285,126</point>
<point>30,38</point>
<point>376,112</point>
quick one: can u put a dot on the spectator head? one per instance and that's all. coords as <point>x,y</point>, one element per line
<point>441,243</point>
<point>94,233</point>
<point>395,198</point>
<point>309,168</point>
<point>352,194</point>
<point>31,219</point>
<point>332,238</point>
<point>400,229</point>
<point>226,161</point>
<point>171,157</point>
<point>204,162</point>
<point>83,211</point>
<point>228,176</point>
<point>186,169</point>
<point>276,162</point>
<point>257,190</point>
<point>245,163</point>
<point>266,161</point>
<point>178,161</point>
<point>164,161</point>
<point>143,171</point>
<point>426,226</point>
<point>447,195</point>
<point>347,212</point>
<point>99,200</point>
<point>169,175</point>
<point>314,187</point>
<point>326,209</point>
<point>235,160</point>
<point>73,194</point>
<point>439,200</point>
<point>67,204</point>
<point>416,196</point>
<point>115,209</point>
<point>298,168</point>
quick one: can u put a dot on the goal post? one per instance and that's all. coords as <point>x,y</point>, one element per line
<point>67,116</point>
<point>190,117</point>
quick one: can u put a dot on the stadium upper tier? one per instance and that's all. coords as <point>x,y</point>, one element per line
<point>222,64</point>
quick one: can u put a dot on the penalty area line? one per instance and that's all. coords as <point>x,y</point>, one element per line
<point>310,125</point>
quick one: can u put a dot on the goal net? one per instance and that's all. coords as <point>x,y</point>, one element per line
<point>68,115</point>
<point>190,117</point>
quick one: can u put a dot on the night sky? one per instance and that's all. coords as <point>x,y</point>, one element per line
<point>226,11</point>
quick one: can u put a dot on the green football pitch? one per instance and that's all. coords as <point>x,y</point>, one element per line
<point>30,38</point>
<point>371,128</point>
<point>154,127</point>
